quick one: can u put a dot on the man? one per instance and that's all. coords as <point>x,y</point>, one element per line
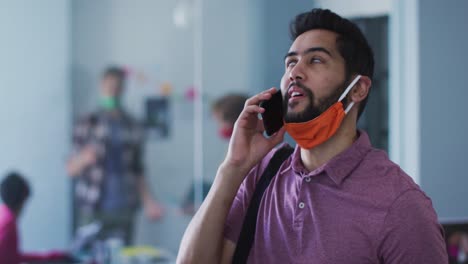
<point>335,199</point>
<point>107,164</point>
<point>14,191</point>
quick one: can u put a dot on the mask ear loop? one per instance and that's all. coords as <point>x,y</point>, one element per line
<point>349,107</point>
<point>350,86</point>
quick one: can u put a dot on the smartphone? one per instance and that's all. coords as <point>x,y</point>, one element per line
<point>273,115</point>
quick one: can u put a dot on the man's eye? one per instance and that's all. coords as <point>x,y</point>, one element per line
<point>290,63</point>
<point>315,60</point>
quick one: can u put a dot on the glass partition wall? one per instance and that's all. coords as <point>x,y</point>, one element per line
<point>178,60</point>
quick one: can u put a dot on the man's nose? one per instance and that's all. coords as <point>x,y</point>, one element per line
<point>296,73</point>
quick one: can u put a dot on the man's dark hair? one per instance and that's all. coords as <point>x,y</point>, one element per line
<point>230,106</point>
<point>115,72</point>
<point>351,43</point>
<point>14,190</point>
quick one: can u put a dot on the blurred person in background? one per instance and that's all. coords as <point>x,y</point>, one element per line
<point>15,191</point>
<point>457,247</point>
<point>107,164</point>
<point>225,110</point>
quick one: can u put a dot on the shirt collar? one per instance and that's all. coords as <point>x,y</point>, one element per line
<point>340,166</point>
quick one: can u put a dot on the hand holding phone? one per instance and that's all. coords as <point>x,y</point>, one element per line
<point>273,115</point>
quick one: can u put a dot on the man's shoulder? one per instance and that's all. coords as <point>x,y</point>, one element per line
<point>379,165</point>
<point>385,176</point>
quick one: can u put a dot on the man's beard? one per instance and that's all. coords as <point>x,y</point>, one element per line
<point>311,111</point>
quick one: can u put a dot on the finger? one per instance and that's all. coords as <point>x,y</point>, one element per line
<point>249,115</point>
<point>251,110</point>
<point>256,99</point>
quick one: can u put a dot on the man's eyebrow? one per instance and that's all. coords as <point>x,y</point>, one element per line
<point>320,49</point>
<point>290,54</point>
<point>314,49</point>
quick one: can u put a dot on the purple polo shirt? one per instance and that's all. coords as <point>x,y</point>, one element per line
<point>357,208</point>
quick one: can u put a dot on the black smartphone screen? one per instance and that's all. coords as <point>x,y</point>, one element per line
<point>273,115</point>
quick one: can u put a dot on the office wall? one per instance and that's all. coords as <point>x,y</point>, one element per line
<point>443,93</point>
<point>357,8</point>
<point>34,113</point>
<point>277,15</point>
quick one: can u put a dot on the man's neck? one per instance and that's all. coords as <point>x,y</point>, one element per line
<point>321,154</point>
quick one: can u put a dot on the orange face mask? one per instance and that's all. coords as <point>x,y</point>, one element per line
<point>318,130</point>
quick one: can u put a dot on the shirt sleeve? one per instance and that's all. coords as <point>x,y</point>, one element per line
<point>411,232</point>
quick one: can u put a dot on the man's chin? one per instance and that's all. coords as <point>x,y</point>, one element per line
<point>299,116</point>
<point>297,108</point>
<point>295,117</point>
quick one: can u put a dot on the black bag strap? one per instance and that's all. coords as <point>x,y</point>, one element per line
<point>247,234</point>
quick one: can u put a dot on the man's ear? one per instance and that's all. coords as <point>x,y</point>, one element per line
<point>361,89</point>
